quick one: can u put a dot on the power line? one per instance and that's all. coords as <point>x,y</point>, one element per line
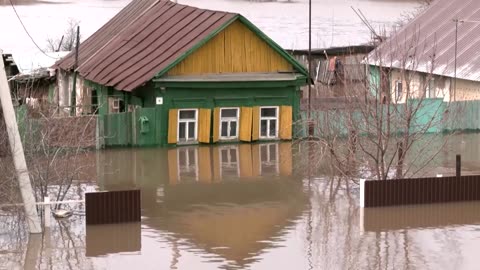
<point>26,31</point>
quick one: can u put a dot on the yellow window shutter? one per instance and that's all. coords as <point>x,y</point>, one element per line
<point>286,163</point>
<point>172,126</point>
<point>216,125</point>
<point>255,123</point>
<point>246,124</point>
<point>172,167</point>
<point>286,122</point>
<point>204,125</point>
<point>204,165</point>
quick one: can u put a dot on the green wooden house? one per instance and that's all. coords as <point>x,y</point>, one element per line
<point>161,73</point>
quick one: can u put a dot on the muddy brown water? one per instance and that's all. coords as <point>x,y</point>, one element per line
<point>249,207</point>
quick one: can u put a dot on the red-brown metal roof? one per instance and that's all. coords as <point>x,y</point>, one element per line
<point>427,43</point>
<point>143,39</point>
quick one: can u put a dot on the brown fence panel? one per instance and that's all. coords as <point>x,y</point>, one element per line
<point>421,191</point>
<point>112,207</point>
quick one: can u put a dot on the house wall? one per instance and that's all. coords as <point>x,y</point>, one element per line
<point>124,129</point>
<point>418,85</point>
<point>235,49</point>
<point>178,98</point>
<point>467,90</point>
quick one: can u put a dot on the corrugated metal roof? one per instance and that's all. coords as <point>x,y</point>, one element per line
<point>143,39</point>
<point>427,43</point>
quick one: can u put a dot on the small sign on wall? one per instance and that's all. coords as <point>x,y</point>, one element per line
<point>159,101</point>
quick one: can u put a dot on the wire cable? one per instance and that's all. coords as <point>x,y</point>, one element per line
<point>26,31</point>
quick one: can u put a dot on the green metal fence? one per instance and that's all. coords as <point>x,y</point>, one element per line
<point>138,128</point>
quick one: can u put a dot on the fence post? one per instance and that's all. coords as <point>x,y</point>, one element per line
<point>459,166</point>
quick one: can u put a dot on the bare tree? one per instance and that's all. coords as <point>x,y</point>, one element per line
<point>390,124</point>
<point>67,41</point>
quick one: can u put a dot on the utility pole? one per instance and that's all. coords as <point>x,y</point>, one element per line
<point>75,66</point>
<point>310,122</point>
<point>18,155</point>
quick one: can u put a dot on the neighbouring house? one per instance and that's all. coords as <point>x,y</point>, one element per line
<point>434,56</point>
<point>184,75</point>
<point>32,81</point>
<point>336,71</point>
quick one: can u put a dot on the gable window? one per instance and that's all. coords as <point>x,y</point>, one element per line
<point>187,125</point>
<point>398,90</point>
<point>269,160</point>
<point>229,161</point>
<point>187,163</point>
<point>229,123</point>
<point>268,122</point>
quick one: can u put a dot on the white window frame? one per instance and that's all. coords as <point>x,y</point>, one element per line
<point>187,156</point>
<point>229,148</point>
<point>277,118</point>
<point>229,119</point>
<point>269,157</point>
<point>397,96</point>
<point>195,139</point>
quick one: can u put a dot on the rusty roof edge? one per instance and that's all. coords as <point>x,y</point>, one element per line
<point>60,62</point>
<point>115,36</point>
<point>197,46</point>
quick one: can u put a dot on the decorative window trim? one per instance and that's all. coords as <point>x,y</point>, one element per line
<point>222,138</point>
<point>277,118</point>
<point>186,130</point>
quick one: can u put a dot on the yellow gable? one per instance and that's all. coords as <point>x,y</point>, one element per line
<point>236,49</point>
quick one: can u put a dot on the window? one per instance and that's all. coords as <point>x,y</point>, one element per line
<point>229,123</point>
<point>187,125</point>
<point>398,90</point>
<point>229,161</point>
<point>268,122</point>
<point>187,161</point>
<point>269,160</point>
<point>431,89</point>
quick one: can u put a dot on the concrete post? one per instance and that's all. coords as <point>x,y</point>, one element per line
<point>18,155</point>
<point>362,193</point>
<point>47,212</point>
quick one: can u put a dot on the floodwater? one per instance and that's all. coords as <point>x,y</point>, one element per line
<point>333,21</point>
<point>250,207</point>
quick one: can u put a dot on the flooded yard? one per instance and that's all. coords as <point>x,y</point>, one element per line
<point>250,207</point>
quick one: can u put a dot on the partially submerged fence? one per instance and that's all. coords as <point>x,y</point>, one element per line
<point>419,191</point>
<point>112,207</point>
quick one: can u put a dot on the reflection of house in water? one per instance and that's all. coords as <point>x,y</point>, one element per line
<point>214,164</point>
<point>207,198</point>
